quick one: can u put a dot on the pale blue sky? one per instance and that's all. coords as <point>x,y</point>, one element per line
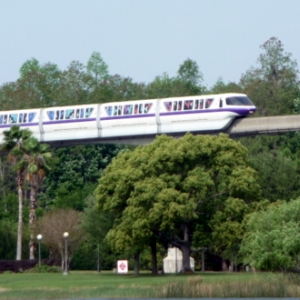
<point>145,38</point>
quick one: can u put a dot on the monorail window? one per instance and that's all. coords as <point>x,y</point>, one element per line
<point>25,118</point>
<point>79,113</point>
<point>128,109</point>
<point>13,118</point>
<point>136,108</point>
<point>62,114</point>
<point>201,104</point>
<point>88,112</point>
<point>115,111</point>
<point>168,106</point>
<point>108,110</point>
<point>31,116</point>
<point>208,103</point>
<point>188,104</point>
<point>197,104</point>
<point>50,114</point>
<point>141,108</point>
<point>147,107</point>
<point>2,119</point>
<point>239,100</point>
<point>175,106</point>
<point>179,107</point>
<point>70,114</point>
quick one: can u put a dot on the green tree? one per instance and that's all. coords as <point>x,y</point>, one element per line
<point>97,68</point>
<point>8,238</point>
<point>160,190</point>
<point>31,65</point>
<point>220,87</point>
<point>38,159</point>
<point>191,76</point>
<point>97,225</point>
<point>116,88</point>
<point>276,160</point>
<point>275,82</point>
<point>160,87</point>
<point>187,82</point>
<point>14,140</point>
<point>76,173</point>
<point>228,230</point>
<point>278,175</point>
<point>39,82</point>
<point>74,86</point>
<point>272,239</point>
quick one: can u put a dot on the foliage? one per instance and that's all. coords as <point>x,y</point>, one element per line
<point>272,240</point>
<point>95,246</point>
<point>275,82</point>
<point>8,230</point>
<point>14,143</point>
<point>44,269</point>
<point>187,82</point>
<point>220,87</point>
<point>52,227</point>
<point>9,207</point>
<point>227,228</point>
<point>158,192</point>
<point>276,160</point>
<point>97,68</point>
<point>76,172</point>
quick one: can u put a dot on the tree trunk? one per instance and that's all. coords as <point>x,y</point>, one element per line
<point>186,264</point>
<point>186,251</point>
<point>224,265</point>
<point>20,217</point>
<point>137,263</point>
<point>154,258</point>
<point>202,261</point>
<point>32,218</point>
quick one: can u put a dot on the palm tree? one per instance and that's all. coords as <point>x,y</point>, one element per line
<point>39,159</point>
<point>14,140</point>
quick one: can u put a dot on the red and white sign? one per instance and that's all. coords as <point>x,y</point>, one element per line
<point>122,266</point>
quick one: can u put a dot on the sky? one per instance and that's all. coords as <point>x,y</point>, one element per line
<point>142,39</point>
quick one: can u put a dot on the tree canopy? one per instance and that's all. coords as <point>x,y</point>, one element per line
<point>272,241</point>
<point>163,190</point>
<point>274,84</point>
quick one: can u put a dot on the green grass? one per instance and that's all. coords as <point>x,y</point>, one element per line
<point>89,284</point>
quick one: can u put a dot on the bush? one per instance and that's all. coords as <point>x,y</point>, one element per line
<point>44,269</point>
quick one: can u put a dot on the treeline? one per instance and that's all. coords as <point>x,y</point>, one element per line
<point>272,84</point>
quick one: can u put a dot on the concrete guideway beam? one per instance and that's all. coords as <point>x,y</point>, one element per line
<point>264,125</point>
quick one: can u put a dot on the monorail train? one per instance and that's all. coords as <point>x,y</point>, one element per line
<point>131,118</point>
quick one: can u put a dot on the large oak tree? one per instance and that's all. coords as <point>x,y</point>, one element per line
<point>162,191</point>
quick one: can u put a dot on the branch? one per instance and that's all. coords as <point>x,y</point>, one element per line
<point>213,196</point>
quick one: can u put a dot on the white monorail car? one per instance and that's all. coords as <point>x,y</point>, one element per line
<point>131,118</point>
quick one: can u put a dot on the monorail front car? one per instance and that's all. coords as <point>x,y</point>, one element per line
<point>131,118</point>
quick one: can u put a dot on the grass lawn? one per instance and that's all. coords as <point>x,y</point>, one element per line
<point>89,284</point>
